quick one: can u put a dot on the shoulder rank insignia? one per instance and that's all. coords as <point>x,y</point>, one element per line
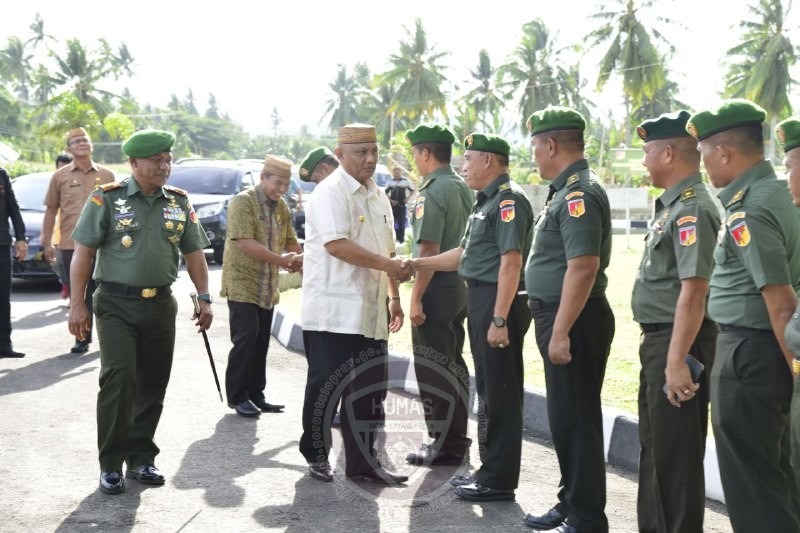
<point>110,186</point>
<point>573,180</point>
<point>176,190</point>
<point>507,210</point>
<point>737,197</point>
<point>688,194</point>
<point>737,227</point>
<point>505,186</point>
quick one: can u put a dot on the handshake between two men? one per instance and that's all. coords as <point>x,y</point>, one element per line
<point>402,269</point>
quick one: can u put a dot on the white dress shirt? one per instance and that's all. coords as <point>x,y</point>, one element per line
<point>339,297</point>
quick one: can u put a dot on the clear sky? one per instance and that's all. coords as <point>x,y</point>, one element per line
<point>256,55</point>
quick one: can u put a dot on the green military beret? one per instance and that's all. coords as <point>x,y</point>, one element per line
<point>667,126</point>
<point>311,160</point>
<point>146,143</point>
<point>734,113</point>
<point>430,133</point>
<point>788,132</point>
<point>555,118</point>
<point>487,143</point>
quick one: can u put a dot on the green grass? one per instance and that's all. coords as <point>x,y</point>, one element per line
<point>622,375</point>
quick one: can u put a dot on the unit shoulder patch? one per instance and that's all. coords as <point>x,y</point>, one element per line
<point>686,220</point>
<point>507,210</point>
<point>574,194</point>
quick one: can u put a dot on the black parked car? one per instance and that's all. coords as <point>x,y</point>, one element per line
<point>30,191</point>
<point>211,184</point>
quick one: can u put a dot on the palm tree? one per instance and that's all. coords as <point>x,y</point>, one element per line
<point>81,73</point>
<point>417,73</point>
<point>342,106</point>
<point>759,69</point>
<point>43,85</point>
<point>631,51</point>
<point>530,75</point>
<point>485,96</point>
<point>663,101</point>
<point>39,36</point>
<point>15,66</point>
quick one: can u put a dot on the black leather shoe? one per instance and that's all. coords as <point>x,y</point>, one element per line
<point>549,520</point>
<point>321,470</point>
<point>246,409</point>
<point>268,407</point>
<point>380,475</point>
<point>336,421</point>
<point>475,492</point>
<point>147,474</point>
<point>427,456</point>
<point>458,480</point>
<point>9,352</point>
<point>80,347</point>
<point>112,482</point>
<point>562,528</point>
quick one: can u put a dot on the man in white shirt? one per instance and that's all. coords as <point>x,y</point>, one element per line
<point>346,319</point>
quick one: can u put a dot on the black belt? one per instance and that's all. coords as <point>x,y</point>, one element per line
<point>471,283</point>
<point>742,329</point>
<point>659,326</point>
<point>139,292</point>
<point>540,305</point>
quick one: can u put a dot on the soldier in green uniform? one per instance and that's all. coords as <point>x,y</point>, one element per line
<point>566,283</point>
<point>317,165</point>
<point>788,132</point>
<point>669,303</point>
<point>752,296</point>
<point>136,228</point>
<point>439,299</point>
<point>490,259</point>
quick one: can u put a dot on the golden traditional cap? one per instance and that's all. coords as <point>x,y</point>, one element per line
<point>357,133</point>
<point>75,132</point>
<point>277,166</point>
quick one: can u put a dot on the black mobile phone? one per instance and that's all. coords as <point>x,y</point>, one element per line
<point>695,369</point>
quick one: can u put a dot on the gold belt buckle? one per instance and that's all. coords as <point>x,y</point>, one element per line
<point>149,292</point>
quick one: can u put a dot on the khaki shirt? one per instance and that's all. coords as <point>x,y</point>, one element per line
<point>251,215</point>
<point>679,245</point>
<point>69,188</point>
<point>441,210</point>
<point>758,244</point>
<point>575,222</point>
<point>139,238</point>
<point>501,221</point>
<point>339,297</point>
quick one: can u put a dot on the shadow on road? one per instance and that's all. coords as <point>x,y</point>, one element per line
<point>103,512</point>
<point>44,373</point>
<point>44,318</point>
<point>214,464</point>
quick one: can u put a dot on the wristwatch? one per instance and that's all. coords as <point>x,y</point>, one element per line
<point>499,321</point>
<point>205,297</point>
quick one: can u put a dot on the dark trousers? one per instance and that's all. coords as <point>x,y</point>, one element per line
<point>66,259</point>
<point>673,440</point>
<point>442,375</point>
<point>399,212</point>
<point>137,340</point>
<point>5,296</point>
<point>499,378</point>
<point>751,389</point>
<point>575,412</point>
<point>246,375</point>
<point>353,368</point>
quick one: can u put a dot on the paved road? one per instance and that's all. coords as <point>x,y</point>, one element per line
<point>225,473</point>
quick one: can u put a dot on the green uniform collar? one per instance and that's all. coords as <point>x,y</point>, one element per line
<point>670,195</point>
<point>444,170</point>
<point>495,185</point>
<point>751,175</point>
<point>577,166</point>
<point>133,188</point>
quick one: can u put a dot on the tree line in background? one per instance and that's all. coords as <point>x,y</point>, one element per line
<point>47,87</point>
